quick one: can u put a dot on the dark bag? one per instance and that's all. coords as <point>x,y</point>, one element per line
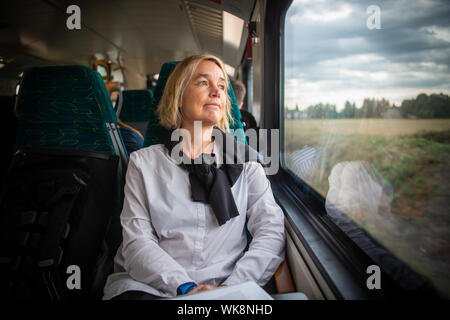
<point>55,209</point>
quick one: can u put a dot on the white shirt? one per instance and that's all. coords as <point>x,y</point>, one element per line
<point>168,239</point>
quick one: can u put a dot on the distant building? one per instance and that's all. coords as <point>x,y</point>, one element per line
<point>392,113</point>
<point>295,114</point>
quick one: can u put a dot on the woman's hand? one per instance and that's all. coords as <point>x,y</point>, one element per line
<point>202,287</point>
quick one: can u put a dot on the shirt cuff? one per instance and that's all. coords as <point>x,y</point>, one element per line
<point>185,288</point>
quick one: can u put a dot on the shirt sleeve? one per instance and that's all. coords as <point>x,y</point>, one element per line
<point>266,225</point>
<point>144,260</point>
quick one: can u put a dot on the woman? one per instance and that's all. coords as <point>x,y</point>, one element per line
<point>184,223</point>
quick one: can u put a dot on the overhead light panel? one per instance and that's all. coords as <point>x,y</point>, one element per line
<point>232,30</point>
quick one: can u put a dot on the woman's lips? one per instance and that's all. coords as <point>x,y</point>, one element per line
<point>212,105</point>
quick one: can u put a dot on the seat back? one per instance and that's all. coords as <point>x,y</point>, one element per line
<point>155,133</point>
<point>132,138</point>
<point>135,110</point>
<point>68,108</point>
<point>54,215</point>
<point>8,133</point>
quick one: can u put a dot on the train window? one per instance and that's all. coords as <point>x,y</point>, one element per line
<point>367,121</point>
<point>102,70</point>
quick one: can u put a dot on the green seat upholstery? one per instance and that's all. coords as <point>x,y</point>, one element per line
<point>136,105</point>
<point>68,107</point>
<point>135,110</point>
<point>64,107</point>
<point>155,132</point>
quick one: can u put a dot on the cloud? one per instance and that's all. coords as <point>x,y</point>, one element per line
<point>315,14</point>
<point>337,53</point>
<point>438,32</point>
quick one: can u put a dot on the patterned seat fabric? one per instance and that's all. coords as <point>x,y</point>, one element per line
<point>135,109</point>
<point>155,132</point>
<point>136,105</point>
<point>64,107</point>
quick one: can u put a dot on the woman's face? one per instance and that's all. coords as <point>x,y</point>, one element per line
<point>204,97</point>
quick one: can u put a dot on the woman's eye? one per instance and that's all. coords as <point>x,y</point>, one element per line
<point>221,86</point>
<point>202,83</point>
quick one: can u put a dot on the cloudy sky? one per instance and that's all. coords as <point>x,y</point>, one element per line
<point>332,56</point>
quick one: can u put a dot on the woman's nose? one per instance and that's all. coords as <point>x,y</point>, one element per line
<point>215,91</point>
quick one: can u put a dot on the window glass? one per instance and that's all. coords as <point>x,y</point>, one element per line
<point>367,108</point>
<point>102,70</point>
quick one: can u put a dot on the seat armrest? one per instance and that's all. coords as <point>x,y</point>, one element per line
<point>283,279</point>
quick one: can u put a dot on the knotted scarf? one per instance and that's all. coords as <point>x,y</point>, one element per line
<point>210,184</point>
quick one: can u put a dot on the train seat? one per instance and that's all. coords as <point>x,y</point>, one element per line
<point>64,107</point>
<point>68,107</point>
<point>135,108</point>
<point>7,132</point>
<point>132,138</point>
<point>54,213</point>
<point>66,127</point>
<point>155,132</point>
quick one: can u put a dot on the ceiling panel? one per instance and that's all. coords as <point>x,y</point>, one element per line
<point>142,33</point>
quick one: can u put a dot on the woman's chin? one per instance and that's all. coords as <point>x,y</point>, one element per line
<point>212,121</point>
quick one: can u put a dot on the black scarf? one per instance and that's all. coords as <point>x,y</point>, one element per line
<point>210,184</point>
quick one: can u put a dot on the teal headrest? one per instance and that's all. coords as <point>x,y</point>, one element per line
<point>64,107</point>
<point>64,93</point>
<point>155,132</point>
<point>136,105</point>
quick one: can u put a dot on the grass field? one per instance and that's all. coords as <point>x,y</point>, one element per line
<point>410,158</point>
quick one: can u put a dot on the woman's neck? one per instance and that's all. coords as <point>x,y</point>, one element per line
<point>200,140</point>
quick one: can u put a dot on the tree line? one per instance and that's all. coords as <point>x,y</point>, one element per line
<point>424,106</point>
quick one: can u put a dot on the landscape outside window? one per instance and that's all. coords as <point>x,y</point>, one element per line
<point>367,120</point>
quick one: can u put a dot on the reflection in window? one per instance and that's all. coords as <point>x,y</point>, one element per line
<point>367,121</point>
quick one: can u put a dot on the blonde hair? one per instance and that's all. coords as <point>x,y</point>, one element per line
<point>168,107</point>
